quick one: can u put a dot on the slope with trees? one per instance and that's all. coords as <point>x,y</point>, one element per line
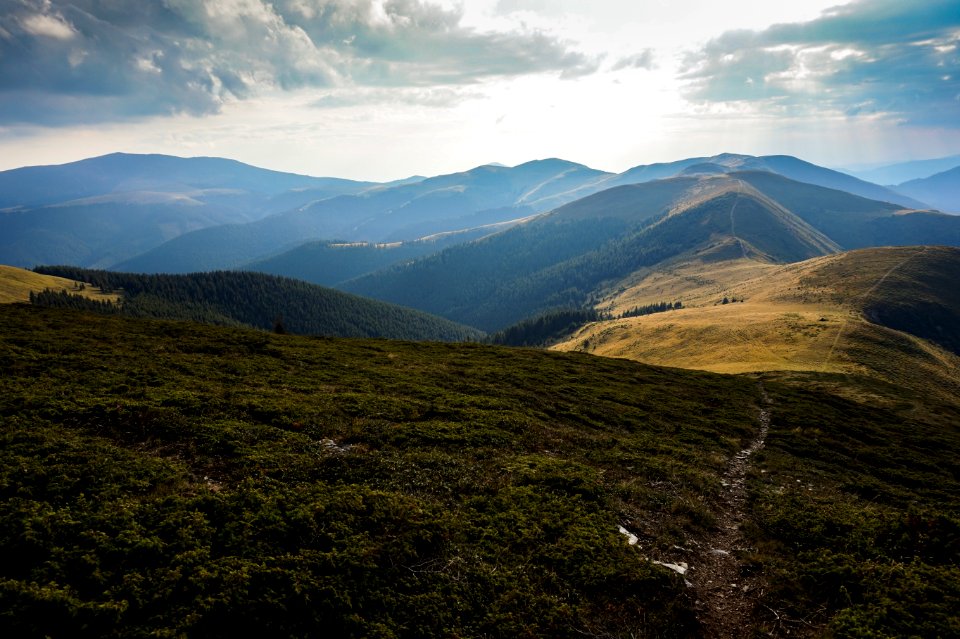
<point>266,302</point>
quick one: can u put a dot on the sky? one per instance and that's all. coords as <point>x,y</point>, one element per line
<point>385,89</point>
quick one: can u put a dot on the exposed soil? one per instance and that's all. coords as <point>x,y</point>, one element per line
<point>725,596</point>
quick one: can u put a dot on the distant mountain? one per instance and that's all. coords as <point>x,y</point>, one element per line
<point>101,211</point>
<point>905,171</point>
<point>153,213</point>
<point>126,172</point>
<point>941,190</point>
<point>332,263</point>
<point>264,301</point>
<point>479,197</point>
<point>568,257</point>
<point>785,165</point>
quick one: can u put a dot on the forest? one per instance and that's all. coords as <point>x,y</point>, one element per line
<point>233,298</point>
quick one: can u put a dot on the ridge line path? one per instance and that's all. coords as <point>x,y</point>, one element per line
<point>864,296</point>
<point>725,599</point>
<point>733,228</point>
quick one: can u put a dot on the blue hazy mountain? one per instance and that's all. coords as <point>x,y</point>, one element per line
<point>942,190</point>
<point>483,196</point>
<point>785,165</point>
<point>103,210</point>
<point>901,172</point>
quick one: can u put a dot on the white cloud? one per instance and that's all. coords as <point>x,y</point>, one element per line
<point>48,26</point>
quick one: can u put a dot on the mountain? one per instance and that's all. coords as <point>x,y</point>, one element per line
<point>853,221</point>
<point>901,172</point>
<point>181,479</point>
<point>941,190</point>
<point>480,197</point>
<point>152,213</point>
<point>126,172</point>
<point>561,259</point>
<point>333,263</point>
<point>101,211</point>
<point>784,165</point>
<point>260,301</point>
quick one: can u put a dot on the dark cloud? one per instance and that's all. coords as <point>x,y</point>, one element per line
<point>64,61</point>
<point>870,57</point>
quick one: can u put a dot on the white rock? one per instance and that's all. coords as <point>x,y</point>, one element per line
<point>631,538</point>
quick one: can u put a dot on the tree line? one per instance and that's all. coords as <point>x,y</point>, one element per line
<point>238,298</point>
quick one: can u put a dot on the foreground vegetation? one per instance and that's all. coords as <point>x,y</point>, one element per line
<point>170,478</point>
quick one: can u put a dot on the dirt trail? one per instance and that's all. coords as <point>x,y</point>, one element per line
<point>725,600</point>
<point>733,227</point>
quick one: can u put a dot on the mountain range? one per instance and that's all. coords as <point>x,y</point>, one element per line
<point>569,256</point>
<point>151,213</point>
<point>900,172</point>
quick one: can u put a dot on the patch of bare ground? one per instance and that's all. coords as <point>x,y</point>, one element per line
<point>726,596</point>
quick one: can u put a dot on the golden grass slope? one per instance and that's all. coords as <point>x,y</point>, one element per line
<point>17,283</point>
<point>806,316</point>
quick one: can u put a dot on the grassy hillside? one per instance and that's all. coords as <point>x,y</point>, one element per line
<point>190,479</point>
<point>183,479</point>
<point>16,284</point>
<point>861,313</point>
<point>264,301</point>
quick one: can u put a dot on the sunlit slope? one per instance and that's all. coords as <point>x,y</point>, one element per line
<point>809,316</point>
<point>17,283</point>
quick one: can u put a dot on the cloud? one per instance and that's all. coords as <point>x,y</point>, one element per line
<point>642,60</point>
<point>66,61</point>
<point>434,97</point>
<point>871,57</point>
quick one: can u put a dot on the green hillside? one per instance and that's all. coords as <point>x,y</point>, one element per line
<point>261,301</point>
<point>174,479</point>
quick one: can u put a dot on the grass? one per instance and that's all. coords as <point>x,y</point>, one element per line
<point>811,316</point>
<point>171,479</point>
<point>855,518</point>
<point>16,284</point>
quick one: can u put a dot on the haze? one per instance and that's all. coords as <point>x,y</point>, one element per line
<point>382,89</point>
